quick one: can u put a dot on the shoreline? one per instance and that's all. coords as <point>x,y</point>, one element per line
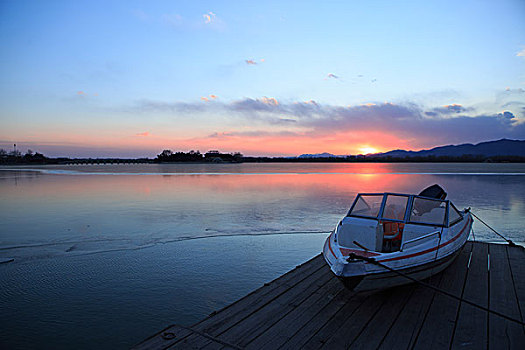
<point>288,161</point>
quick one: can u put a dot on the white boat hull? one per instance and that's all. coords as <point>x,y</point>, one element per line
<point>419,261</point>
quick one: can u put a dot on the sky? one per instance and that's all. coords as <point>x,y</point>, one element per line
<point>276,78</point>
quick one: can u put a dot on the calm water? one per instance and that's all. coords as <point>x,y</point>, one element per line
<point>108,255</point>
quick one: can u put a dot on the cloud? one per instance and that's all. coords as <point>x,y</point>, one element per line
<point>263,104</point>
<point>208,20</point>
<point>269,101</point>
<point>513,103</point>
<point>311,102</point>
<point>209,17</point>
<point>143,134</point>
<point>453,123</point>
<point>409,122</point>
<point>209,98</point>
<point>161,106</point>
<point>287,120</point>
<point>446,110</point>
<point>455,108</point>
<point>508,90</point>
<point>254,62</point>
<point>332,76</point>
<point>511,98</point>
<point>82,94</point>
<point>521,53</point>
<point>254,133</point>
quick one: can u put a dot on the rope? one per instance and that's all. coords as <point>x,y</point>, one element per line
<point>373,261</point>
<point>512,244</point>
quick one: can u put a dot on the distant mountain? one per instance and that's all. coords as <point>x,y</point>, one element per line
<point>503,147</point>
<point>319,155</point>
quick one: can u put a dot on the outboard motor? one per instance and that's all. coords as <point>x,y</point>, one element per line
<point>434,191</point>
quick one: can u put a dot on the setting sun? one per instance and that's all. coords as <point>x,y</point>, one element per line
<point>368,150</point>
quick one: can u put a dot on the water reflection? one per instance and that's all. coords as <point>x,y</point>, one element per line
<point>92,251</point>
<point>276,168</point>
<point>106,212</point>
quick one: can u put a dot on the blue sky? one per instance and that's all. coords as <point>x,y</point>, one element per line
<point>130,78</point>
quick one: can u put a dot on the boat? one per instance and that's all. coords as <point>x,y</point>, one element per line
<point>391,239</point>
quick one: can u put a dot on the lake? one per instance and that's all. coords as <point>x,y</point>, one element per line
<point>107,255</point>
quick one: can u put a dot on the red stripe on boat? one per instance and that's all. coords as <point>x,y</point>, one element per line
<point>346,251</point>
<point>330,246</point>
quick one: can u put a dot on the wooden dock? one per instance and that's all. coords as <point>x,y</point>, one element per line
<point>309,308</point>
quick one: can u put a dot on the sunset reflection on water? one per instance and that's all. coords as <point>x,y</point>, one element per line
<point>133,244</point>
<point>242,198</point>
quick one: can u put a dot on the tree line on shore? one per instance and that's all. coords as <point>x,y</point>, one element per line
<point>30,157</point>
<point>195,156</point>
<point>16,157</point>
<point>167,156</point>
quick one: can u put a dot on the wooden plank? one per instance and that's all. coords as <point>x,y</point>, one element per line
<point>319,338</point>
<point>302,336</point>
<point>176,337</point>
<point>233,313</point>
<point>471,323</point>
<point>241,307</point>
<point>374,332</point>
<point>213,345</point>
<point>308,308</point>
<point>275,336</point>
<point>503,298</point>
<point>165,338</point>
<point>264,318</point>
<point>438,327</point>
<point>517,268</point>
<point>403,333</point>
<point>256,320</point>
<point>355,323</point>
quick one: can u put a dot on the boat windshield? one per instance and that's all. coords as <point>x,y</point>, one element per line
<point>395,207</point>
<point>367,205</point>
<point>454,216</point>
<point>428,211</point>
<point>405,208</point>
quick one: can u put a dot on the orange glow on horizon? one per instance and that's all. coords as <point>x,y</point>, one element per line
<point>343,143</point>
<point>368,150</point>
<point>248,142</point>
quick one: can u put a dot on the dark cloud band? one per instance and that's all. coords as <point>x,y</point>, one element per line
<point>446,124</point>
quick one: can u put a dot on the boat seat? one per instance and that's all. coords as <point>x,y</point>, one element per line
<point>394,211</point>
<point>392,236</point>
<point>360,230</point>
